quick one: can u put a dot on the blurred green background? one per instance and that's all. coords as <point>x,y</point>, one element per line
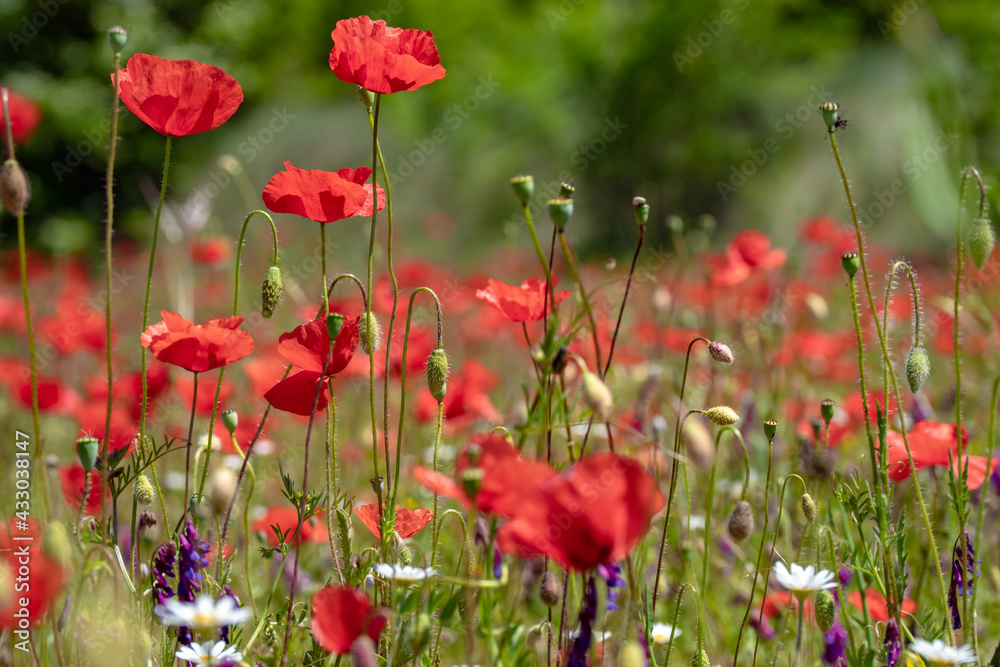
<point>702,107</point>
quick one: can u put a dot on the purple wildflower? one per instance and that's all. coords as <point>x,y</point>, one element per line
<point>893,647</point>
<point>163,569</point>
<point>588,613</point>
<point>959,585</point>
<point>612,576</point>
<point>193,559</point>
<point>835,644</point>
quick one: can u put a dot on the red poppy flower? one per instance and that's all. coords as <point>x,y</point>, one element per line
<point>382,59</point>
<point>933,444</point>
<point>408,522</point>
<point>25,116</point>
<point>519,304</point>
<point>45,575</point>
<point>306,347</point>
<point>73,478</point>
<point>197,347</point>
<point>212,251</point>
<point>340,615</point>
<point>177,97</point>
<point>878,609</point>
<point>53,396</point>
<point>323,196</point>
<point>286,519</point>
<point>593,513</point>
<point>507,477</point>
<point>754,248</point>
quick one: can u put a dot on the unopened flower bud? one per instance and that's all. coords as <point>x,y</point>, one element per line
<point>824,609</point>
<point>550,590</point>
<point>221,489</point>
<point>981,241</point>
<point>566,189</point>
<point>365,97</point>
<point>230,164</point>
<point>143,491</point>
<point>117,38</point>
<point>363,652</point>
<point>741,521</point>
<point>700,659</point>
<point>826,409</point>
<point>146,520</point>
<point>524,188</point>
<point>918,368</point>
<point>597,396</point>
<point>852,262</point>
<point>270,291</point>
<point>437,373</point>
<point>334,323</point>
<point>370,333</point>
<point>472,479</point>
<point>560,210</point>
<point>86,450</point>
<point>631,655</point>
<point>830,111</point>
<point>404,553</point>
<point>770,428</point>
<point>230,419</point>
<point>641,210</point>
<point>809,510</point>
<point>721,352</point>
<point>722,415</point>
<point>56,543</point>
<point>15,188</point>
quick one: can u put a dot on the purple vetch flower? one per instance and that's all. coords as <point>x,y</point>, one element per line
<point>193,559</point>
<point>227,592</point>
<point>835,642</point>
<point>588,613</point>
<point>893,647</point>
<point>959,585</point>
<point>163,569</point>
<point>763,627</point>
<point>846,574</point>
<point>612,576</point>
<point>641,634</point>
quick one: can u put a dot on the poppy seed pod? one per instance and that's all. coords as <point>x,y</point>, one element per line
<point>981,241</point>
<point>550,590</point>
<point>817,427</point>
<point>918,368</point>
<point>86,450</point>
<point>472,479</point>
<point>437,373</point>
<point>566,189</point>
<point>700,659</point>
<point>824,609</point>
<point>270,291</point>
<point>143,491</point>
<point>117,38</point>
<point>334,323</point>
<point>15,188</point>
<point>722,415</point>
<point>370,333</point>
<point>770,428</point>
<point>721,352</point>
<point>826,409</point>
<point>230,419</point>
<point>560,210</point>
<point>596,395</point>
<point>809,510</point>
<point>851,262</point>
<point>830,111</point>
<point>641,210</point>
<point>524,188</point>
<point>741,521</point>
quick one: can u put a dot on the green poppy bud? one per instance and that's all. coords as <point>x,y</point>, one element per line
<point>641,210</point>
<point>722,415</point>
<point>824,609</point>
<point>809,510</point>
<point>143,491</point>
<point>560,210</point>
<point>270,291</point>
<point>86,449</point>
<point>918,368</point>
<point>981,241</point>
<point>15,188</point>
<point>700,659</point>
<point>741,521</point>
<point>437,374</point>
<point>370,332</point>
<point>524,188</point>
<point>550,590</point>
<point>334,323</point>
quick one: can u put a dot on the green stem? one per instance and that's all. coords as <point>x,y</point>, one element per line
<point>798,635</point>
<point>571,265</point>
<point>109,192</point>
<point>760,550</point>
<point>246,524</point>
<point>332,492</point>
<point>982,498</point>
<point>373,120</point>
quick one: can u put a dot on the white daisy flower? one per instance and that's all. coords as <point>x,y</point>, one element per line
<point>661,632</point>
<point>209,653</point>
<point>939,653</point>
<point>202,613</point>
<point>403,572</point>
<point>801,581</point>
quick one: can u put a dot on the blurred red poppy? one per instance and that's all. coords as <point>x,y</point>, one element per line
<point>408,522</point>
<point>286,519</point>
<point>197,347</point>
<point>934,444</point>
<point>520,304</point>
<point>754,248</point>
<point>306,347</point>
<point>73,478</point>
<point>323,196</point>
<point>878,609</point>
<point>212,251</point>
<point>340,615</point>
<point>382,59</point>
<point>25,116</point>
<point>593,513</point>
<point>177,97</point>
<point>45,574</point>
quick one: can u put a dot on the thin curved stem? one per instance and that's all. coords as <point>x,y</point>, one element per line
<point>571,265</point>
<point>368,311</point>
<point>628,285</point>
<point>109,193</point>
<point>760,550</point>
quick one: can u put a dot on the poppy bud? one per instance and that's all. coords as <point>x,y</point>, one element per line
<point>230,419</point>
<point>221,489</point>
<point>437,373</point>
<point>524,188</point>
<point>143,491</point>
<point>560,210</point>
<point>851,262</point>
<point>370,332</point>
<point>566,189</point>
<point>981,241</point>
<point>770,428</point>
<point>334,323</point>
<point>641,210</point>
<point>830,111</point>
<point>343,531</point>
<point>697,443</point>
<point>824,610</point>
<point>550,590</point>
<point>117,38</point>
<point>472,479</point>
<point>55,542</point>
<point>15,188</point>
<point>700,659</point>
<point>404,553</point>
<point>270,291</point>
<point>721,352</point>
<point>596,395</point>
<point>658,427</point>
<point>826,409</point>
<point>918,368</point>
<point>86,449</point>
<point>809,508</point>
<point>376,484</point>
<point>631,655</point>
<point>675,224</point>
<point>741,521</point>
<point>722,415</point>
<point>363,651</point>
<point>473,452</point>
<point>817,427</point>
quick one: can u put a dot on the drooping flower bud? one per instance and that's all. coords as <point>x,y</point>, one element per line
<point>437,373</point>
<point>86,449</point>
<point>597,396</point>
<point>852,262</point>
<point>809,510</point>
<point>722,415</point>
<point>741,521</point>
<point>560,210</point>
<point>641,210</point>
<point>15,188</point>
<point>825,612</point>
<point>700,659</point>
<point>826,409</point>
<point>918,368</point>
<point>830,111</point>
<point>981,241</point>
<point>143,491</point>
<point>524,188</point>
<point>370,333</point>
<point>550,590</point>
<point>721,352</point>
<point>230,419</point>
<point>770,428</point>
<point>270,291</point>
<point>117,38</point>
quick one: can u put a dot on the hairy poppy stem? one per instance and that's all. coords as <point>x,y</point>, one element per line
<point>109,192</point>
<point>584,297</point>
<point>373,120</point>
<point>760,550</point>
<point>628,285</point>
<point>190,443</point>
<point>246,524</point>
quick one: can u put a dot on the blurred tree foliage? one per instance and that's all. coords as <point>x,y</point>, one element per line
<point>671,100</point>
